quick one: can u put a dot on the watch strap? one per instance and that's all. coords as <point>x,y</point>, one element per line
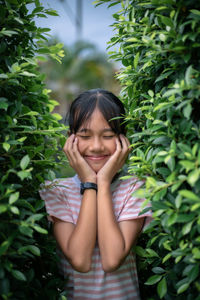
<point>87,185</point>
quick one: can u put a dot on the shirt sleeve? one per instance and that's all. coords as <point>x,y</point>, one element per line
<point>133,205</point>
<point>55,202</point>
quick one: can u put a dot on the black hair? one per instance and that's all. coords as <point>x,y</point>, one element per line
<point>109,105</point>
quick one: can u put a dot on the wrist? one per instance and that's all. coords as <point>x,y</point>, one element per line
<point>87,186</point>
<point>92,179</point>
<point>103,183</point>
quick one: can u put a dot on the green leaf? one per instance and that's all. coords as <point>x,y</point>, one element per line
<point>24,162</point>
<point>14,210</point>
<point>31,113</point>
<point>28,74</point>
<point>136,59</point>
<point>158,270</point>
<point>167,21</point>
<point>162,288</point>
<point>6,146</point>
<point>188,165</point>
<point>189,195</point>
<point>187,228</point>
<point>193,177</point>
<point>51,12</point>
<point>153,279</point>
<point>191,271</point>
<point>8,32</point>
<point>3,208</point>
<point>166,257</point>
<point>187,111</point>
<point>3,76</point>
<point>34,217</point>
<point>183,288</point>
<point>35,250</point>
<point>24,174</point>
<point>57,116</point>
<point>25,230</point>
<point>40,229</point>
<point>195,12</point>
<point>151,253</point>
<point>13,197</point>
<point>4,247</point>
<point>3,103</point>
<point>196,253</point>
<point>18,275</point>
<point>32,248</point>
<point>170,161</point>
<point>140,251</point>
<point>163,76</point>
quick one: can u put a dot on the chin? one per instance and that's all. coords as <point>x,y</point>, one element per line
<point>96,169</point>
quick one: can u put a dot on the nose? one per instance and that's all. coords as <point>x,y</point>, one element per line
<point>96,145</point>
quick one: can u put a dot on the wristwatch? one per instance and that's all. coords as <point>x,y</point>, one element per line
<point>87,185</point>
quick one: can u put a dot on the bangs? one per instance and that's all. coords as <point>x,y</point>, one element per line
<point>108,104</point>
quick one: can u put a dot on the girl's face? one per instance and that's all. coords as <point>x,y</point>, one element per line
<point>96,141</point>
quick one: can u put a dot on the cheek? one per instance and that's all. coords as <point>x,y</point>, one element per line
<point>112,146</point>
<point>81,145</point>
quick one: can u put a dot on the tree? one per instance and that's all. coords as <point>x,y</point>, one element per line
<point>29,138</point>
<point>82,68</point>
<point>159,45</point>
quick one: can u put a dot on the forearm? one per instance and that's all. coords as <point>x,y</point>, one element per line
<point>81,242</point>
<point>110,238</point>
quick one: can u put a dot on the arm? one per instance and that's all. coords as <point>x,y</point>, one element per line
<point>115,239</point>
<point>77,241</point>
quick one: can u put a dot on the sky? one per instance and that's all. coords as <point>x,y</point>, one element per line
<point>96,21</point>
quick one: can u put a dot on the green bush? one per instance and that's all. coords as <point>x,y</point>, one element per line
<point>30,136</point>
<point>158,43</point>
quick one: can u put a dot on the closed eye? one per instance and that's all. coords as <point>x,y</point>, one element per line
<point>84,136</point>
<point>109,136</point>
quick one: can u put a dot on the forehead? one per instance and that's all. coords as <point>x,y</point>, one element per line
<point>96,122</point>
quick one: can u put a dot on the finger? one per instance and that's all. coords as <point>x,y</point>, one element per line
<point>76,152</point>
<point>68,149</point>
<point>75,147</point>
<point>68,142</point>
<point>118,146</point>
<point>126,143</point>
<point>125,148</point>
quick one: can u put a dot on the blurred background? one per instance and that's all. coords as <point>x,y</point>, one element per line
<point>84,30</point>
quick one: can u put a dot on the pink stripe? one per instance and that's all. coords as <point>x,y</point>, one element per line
<point>66,205</point>
<point>107,290</point>
<point>115,297</point>
<point>92,284</point>
<point>98,273</point>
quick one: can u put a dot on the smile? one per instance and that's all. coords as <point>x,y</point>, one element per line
<point>96,158</point>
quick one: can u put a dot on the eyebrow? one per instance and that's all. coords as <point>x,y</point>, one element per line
<point>89,130</point>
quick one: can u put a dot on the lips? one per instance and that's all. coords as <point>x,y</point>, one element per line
<point>96,158</point>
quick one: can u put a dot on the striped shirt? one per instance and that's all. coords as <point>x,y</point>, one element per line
<point>62,200</point>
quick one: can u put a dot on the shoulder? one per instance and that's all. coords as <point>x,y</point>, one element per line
<point>128,183</point>
<point>58,186</point>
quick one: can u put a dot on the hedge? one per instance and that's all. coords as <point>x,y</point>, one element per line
<point>158,44</point>
<point>30,136</point>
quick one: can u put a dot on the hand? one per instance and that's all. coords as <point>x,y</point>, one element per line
<point>116,161</point>
<point>77,162</point>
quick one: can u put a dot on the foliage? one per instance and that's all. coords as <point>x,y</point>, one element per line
<point>83,67</point>
<point>30,135</point>
<point>159,47</point>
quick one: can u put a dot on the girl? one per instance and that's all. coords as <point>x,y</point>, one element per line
<point>95,217</point>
